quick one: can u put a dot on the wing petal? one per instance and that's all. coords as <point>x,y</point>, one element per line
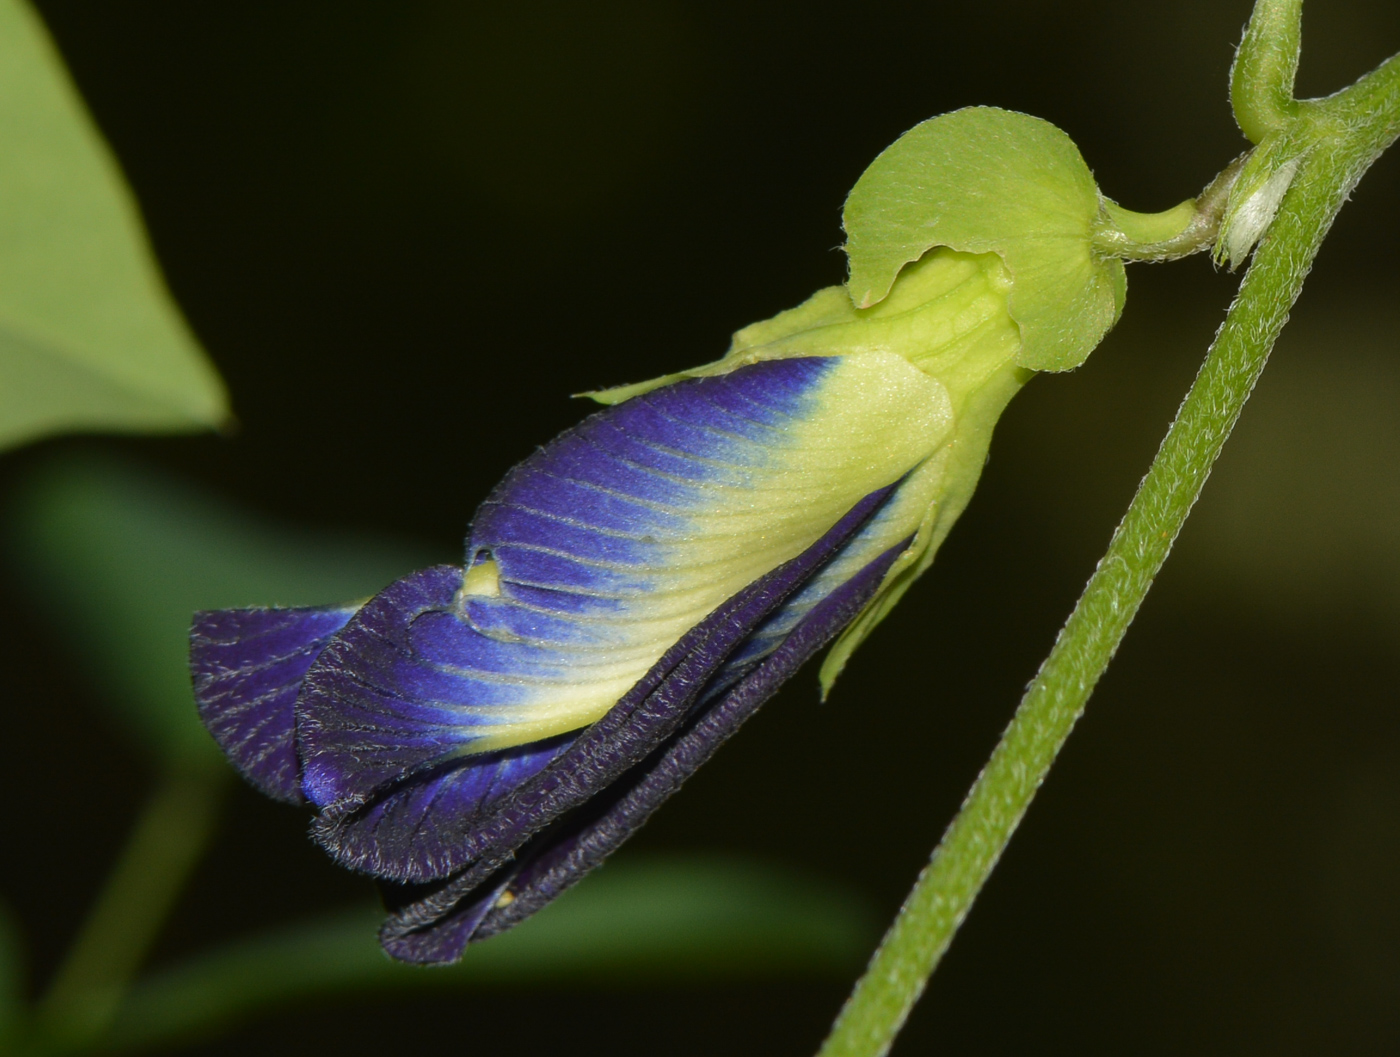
<point>248,667</point>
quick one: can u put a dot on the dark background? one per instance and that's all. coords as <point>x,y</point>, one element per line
<point>407,231</point>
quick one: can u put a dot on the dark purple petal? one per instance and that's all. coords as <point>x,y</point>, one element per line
<point>436,926</point>
<point>441,940</point>
<point>355,709</point>
<point>405,824</point>
<point>248,667</point>
<point>369,713</point>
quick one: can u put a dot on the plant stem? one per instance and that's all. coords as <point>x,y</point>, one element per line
<point>1261,79</point>
<point>1343,135</point>
<point>1188,228</point>
<point>163,848</point>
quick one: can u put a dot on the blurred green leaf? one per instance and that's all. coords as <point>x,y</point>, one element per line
<point>636,921</point>
<point>11,977</point>
<point>120,557</point>
<point>89,336</point>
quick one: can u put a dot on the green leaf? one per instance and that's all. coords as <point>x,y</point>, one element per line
<point>11,978</point>
<point>120,557</point>
<point>638,920</point>
<point>89,336</point>
<point>987,180</point>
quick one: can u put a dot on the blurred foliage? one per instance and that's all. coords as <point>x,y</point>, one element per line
<point>1362,874</point>
<point>11,976</point>
<point>119,558</point>
<point>1301,534</point>
<point>89,336</point>
<point>1299,528</point>
<point>648,920</point>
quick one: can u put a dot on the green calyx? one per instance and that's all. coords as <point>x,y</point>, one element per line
<point>947,315</point>
<point>975,231</point>
<point>979,227</point>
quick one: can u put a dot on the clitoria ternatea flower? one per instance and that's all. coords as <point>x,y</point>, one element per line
<point>479,737</point>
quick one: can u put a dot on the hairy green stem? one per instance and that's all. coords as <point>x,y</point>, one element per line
<point>1342,136</point>
<point>1261,78</point>
<point>163,849</point>
<point>1188,228</point>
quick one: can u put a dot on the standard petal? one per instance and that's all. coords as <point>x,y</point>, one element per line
<point>623,533</point>
<point>248,666</point>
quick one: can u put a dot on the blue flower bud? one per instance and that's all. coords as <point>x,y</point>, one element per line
<point>479,737</point>
<point>632,592</point>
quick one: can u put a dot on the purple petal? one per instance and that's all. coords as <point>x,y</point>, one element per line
<point>436,927</point>
<point>248,667</point>
<point>461,833</point>
<point>404,827</point>
<point>372,710</point>
<point>441,940</point>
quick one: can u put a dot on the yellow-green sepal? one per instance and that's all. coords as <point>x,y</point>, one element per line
<point>942,488</point>
<point>988,180</point>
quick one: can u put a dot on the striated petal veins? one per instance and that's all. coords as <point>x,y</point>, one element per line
<point>248,666</point>
<point>599,572</point>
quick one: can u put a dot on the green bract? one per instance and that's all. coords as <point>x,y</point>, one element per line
<point>988,180</point>
<point>1263,181</point>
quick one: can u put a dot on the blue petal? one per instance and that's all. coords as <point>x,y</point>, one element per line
<point>587,564</point>
<point>248,666</point>
<point>354,766</point>
<point>408,821</point>
<point>436,927</point>
<point>373,709</point>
